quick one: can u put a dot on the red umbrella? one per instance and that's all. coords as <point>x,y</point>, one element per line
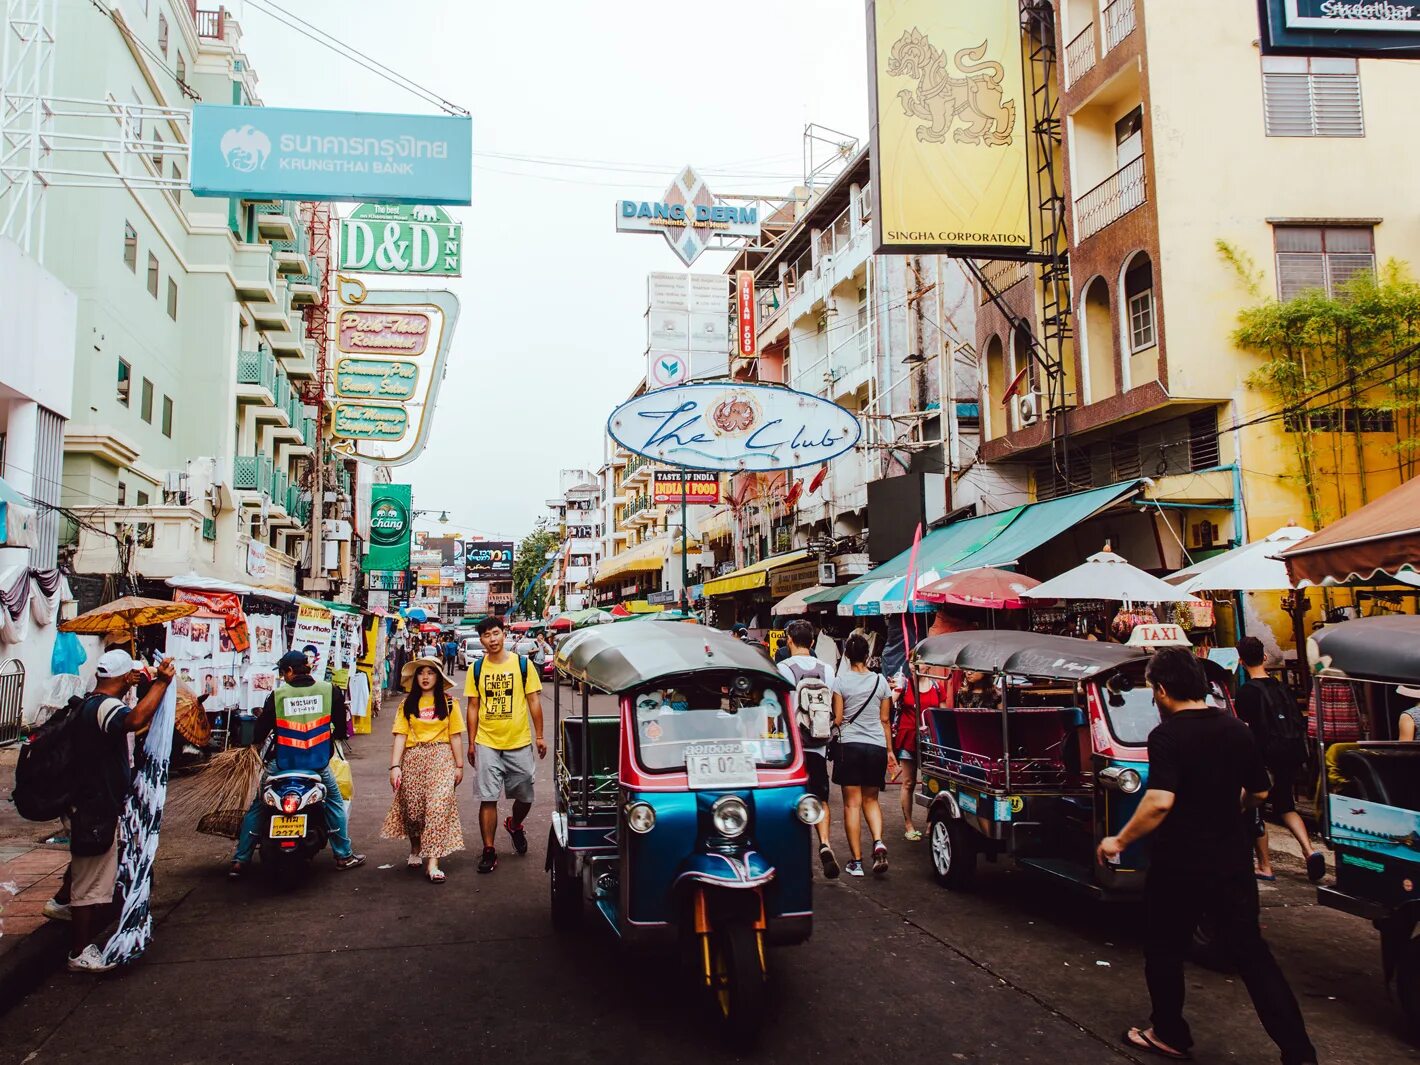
<point>620,611</point>
<point>986,588</point>
<point>520,626</point>
<point>560,625</point>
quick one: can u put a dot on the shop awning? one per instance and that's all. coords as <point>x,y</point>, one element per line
<point>996,540</point>
<point>798,602</point>
<point>643,558</point>
<point>1381,539</point>
<point>756,576</point>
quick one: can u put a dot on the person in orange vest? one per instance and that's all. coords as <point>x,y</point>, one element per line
<point>307,717</point>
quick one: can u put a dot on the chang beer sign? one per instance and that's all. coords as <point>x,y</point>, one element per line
<point>381,238</point>
<point>391,522</point>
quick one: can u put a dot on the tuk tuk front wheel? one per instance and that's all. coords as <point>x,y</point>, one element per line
<point>566,889</point>
<point>735,979</point>
<point>1407,986</point>
<point>953,855</point>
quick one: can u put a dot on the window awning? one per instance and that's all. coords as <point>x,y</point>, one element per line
<point>756,576</point>
<point>643,558</point>
<point>1001,539</point>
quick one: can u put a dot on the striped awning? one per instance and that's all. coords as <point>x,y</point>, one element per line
<point>751,577</point>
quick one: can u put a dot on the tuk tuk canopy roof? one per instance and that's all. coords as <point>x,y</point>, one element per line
<point>1379,648</point>
<point>1025,654</point>
<point>619,657</point>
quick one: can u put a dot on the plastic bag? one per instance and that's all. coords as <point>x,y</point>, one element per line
<point>341,768</point>
<point>68,654</point>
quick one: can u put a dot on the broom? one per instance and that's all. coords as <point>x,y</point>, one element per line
<point>217,796</point>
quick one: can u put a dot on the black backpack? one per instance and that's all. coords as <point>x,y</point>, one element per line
<point>1284,731</point>
<point>47,764</point>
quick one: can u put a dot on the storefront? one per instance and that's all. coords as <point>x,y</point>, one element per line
<point>746,596</point>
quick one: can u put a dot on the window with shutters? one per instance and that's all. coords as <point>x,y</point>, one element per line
<point>1321,257</point>
<point>146,409</point>
<point>152,275</point>
<point>1311,97</point>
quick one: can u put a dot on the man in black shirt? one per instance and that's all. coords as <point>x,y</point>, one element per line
<point>1205,776</point>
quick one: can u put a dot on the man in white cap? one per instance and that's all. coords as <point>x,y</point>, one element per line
<point>101,775</point>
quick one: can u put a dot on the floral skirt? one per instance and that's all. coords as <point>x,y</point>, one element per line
<point>425,809</point>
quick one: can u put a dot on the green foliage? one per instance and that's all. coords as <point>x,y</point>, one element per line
<point>532,557</point>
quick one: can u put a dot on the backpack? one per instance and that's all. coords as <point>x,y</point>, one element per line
<point>813,702</point>
<point>1284,738</point>
<point>47,764</point>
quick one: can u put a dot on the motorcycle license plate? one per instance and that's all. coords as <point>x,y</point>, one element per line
<point>289,827</point>
<point>728,764</point>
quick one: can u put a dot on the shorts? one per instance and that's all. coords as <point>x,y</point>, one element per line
<point>860,765</point>
<point>498,773</point>
<point>1282,797</point>
<point>817,765</point>
<point>92,879</point>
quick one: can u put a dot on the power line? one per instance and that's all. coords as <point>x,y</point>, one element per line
<point>186,89</point>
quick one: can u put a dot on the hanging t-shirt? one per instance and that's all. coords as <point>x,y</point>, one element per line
<point>425,727</point>
<point>268,638</point>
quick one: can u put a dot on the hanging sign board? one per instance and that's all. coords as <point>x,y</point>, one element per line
<point>1380,29</point>
<point>385,238</point>
<point>390,527</point>
<point>734,427</point>
<point>699,487</point>
<point>664,369</point>
<point>688,215</point>
<point>744,298</point>
<point>368,421</point>
<point>388,379</point>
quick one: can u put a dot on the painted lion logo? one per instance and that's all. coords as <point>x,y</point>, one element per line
<point>941,99</point>
<point>733,414</point>
<point>245,149</point>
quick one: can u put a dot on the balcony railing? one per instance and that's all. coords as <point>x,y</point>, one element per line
<point>257,368</point>
<point>1080,55</point>
<point>252,473</point>
<point>308,431</point>
<point>1111,199</point>
<point>211,25</point>
<point>850,354</point>
<point>1001,274</point>
<point>636,463</point>
<point>1119,22</point>
<point>637,505</point>
<point>279,484</point>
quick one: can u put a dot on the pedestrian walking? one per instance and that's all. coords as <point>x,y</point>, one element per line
<point>451,654</point>
<point>1276,722</point>
<point>426,768</point>
<point>813,698</point>
<point>1206,774</point>
<point>503,696</point>
<point>918,696</point>
<point>862,706</point>
<point>1407,725</point>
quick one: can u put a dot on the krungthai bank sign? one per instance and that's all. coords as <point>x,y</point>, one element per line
<point>688,215</point>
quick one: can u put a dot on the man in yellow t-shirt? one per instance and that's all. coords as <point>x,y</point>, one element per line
<point>508,709</point>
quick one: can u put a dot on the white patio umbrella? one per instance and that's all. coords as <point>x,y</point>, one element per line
<point>1106,575</point>
<point>1249,568</point>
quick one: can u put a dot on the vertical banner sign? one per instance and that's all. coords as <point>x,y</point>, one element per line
<point>390,527</point>
<point>949,128</point>
<point>312,635</point>
<point>744,293</point>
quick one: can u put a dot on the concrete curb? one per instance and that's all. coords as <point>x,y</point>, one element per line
<point>24,968</point>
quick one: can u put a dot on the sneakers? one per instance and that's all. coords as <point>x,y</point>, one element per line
<point>489,861</point>
<point>57,911</point>
<point>880,864</point>
<point>90,960</point>
<point>1316,866</point>
<point>829,862</point>
<point>520,838</point>
<point>854,868</point>
<point>350,861</point>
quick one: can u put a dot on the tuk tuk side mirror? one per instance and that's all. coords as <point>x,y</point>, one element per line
<point>1117,685</point>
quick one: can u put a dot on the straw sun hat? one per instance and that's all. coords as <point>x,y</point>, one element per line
<point>406,675</point>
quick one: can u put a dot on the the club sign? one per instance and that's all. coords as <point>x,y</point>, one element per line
<point>734,427</point>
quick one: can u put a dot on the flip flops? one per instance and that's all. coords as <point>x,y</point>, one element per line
<point>1147,1044</point>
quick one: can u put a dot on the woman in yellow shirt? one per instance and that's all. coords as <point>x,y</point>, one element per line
<point>426,766</point>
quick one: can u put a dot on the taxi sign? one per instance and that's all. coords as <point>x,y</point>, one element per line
<point>1159,636</point>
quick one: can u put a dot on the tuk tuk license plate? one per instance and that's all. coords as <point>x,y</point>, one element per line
<point>292,827</point>
<point>720,765</point>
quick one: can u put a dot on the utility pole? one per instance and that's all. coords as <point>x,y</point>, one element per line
<point>684,558</point>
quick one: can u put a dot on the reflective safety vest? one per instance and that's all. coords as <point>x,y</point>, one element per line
<point>303,732</point>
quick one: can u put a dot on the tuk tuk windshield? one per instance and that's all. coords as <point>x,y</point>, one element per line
<point>670,719</point>
<point>1129,705</point>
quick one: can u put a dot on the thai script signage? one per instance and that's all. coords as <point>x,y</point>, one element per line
<point>699,487</point>
<point>688,215</point>
<point>384,238</point>
<point>949,128</point>
<point>734,427</point>
<point>1382,29</point>
<point>382,332</point>
<point>295,154</point>
<point>744,302</point>
<point>486,560</point>
<point>389,379</point>
<point>390,526</point>
<point>369,421</point>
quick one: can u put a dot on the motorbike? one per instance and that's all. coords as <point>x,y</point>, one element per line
<point>293,828</point>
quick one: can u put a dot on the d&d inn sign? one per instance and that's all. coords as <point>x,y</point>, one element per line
<point>734,427</point>
<point>382,238</point>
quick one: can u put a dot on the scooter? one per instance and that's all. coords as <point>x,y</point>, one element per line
<point>293,826</point>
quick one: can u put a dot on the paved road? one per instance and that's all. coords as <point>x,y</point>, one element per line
<point>378,965</point>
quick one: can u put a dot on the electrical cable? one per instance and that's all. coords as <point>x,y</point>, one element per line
<point>186,89</point>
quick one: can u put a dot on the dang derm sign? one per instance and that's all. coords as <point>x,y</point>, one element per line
<point>734,427</point>
<point>290,154</point>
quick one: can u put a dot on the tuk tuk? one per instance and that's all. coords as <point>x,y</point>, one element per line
<point>1043,754</point>
<point>684,820</point>
<point>1371,791</point>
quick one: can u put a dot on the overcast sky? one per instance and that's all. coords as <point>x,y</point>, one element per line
<point>551,335</point>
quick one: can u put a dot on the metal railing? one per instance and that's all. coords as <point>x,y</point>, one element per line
<point>257,368</point>
<point>637,505</point>
<point>211,25</point>
<point>1080,55</point>
<point>286,207</point>
<point>1111,199</point>
<point>252,473</point>
<point>1001,274</point>
<point>637,463</point>
<point>1119,23</point>
<point>308,431</point>
<point>12,699</point>
<point>279,485</point>
<point>293,499</point>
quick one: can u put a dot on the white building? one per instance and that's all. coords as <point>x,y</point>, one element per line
<point>576,515</point>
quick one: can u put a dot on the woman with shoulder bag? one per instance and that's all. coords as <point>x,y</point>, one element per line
<point>426,766</point>
<point>862,709</point>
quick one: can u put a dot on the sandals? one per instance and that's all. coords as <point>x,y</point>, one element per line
<point>912,835</point>
<point>1146,1043</point>
<point>436,876</point>
<point>413,864</point>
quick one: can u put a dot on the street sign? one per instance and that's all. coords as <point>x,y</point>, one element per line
<point>381,238</point>
<point>688,215</point>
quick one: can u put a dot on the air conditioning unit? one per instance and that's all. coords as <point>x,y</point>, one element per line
<point>827,573</point>
<point>174,481</point>
<point>1028,408</point>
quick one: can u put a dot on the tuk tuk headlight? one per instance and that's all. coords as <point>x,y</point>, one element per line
<point>640,817</point>
<point>730,816</point>
<point>1121,778</point>
<point>810,809</point>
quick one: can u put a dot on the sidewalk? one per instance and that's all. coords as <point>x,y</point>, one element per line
<point>30,874</point>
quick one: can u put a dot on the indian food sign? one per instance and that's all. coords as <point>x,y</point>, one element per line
<point>667,485</point>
